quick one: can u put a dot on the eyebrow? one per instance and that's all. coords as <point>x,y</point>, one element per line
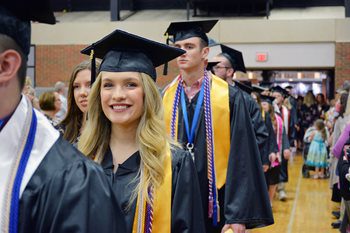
<point>124,80</point>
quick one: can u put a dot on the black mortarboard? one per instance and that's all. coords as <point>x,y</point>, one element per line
<point>266,98</point>
<point>279,90</point>
<point>211,64</point>
<point>258,89</point>
<point>187,29</point>
<point>235,57</point>
<point>15,17</point>
<point>244,86</point>
<point>122,51</point>
<point>289,87</point>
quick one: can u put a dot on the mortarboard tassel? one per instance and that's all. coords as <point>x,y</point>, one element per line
<point>165,70</point>
<point>93,66</point>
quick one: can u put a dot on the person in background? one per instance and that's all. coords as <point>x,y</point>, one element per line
<point>46,184</point>
<point>78,92</point>
<point>289,127</point>
<point>274,147</point>
<point>50,104</point>
<point>60,89</point>
<point>126,134</point>
<point>322,105</point>
<point>317,154</point>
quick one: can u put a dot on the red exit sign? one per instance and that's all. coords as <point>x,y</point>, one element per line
<point>261,57</point>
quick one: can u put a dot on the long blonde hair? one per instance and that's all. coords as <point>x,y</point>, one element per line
<point>151,135</point>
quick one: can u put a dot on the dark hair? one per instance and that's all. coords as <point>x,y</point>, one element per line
<point>343,103</point>
<point>74,117</point>
<point>7,43</point>
<point>203,43</point>
<point>47,101</point>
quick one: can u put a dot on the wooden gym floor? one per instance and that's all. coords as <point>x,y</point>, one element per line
<point>308,208</point>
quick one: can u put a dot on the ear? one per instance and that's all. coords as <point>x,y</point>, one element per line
<point>205,52</point>
<point>10,61</point>
<point>230,72</point>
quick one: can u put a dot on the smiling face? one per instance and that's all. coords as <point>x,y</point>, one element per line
<point>195,54</point>
<point>81,89</point>
<point>122,97</point>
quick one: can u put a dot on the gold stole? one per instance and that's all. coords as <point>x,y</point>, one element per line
<point>161,204</point>
<point>219,97</point>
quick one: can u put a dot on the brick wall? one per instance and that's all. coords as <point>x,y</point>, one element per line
<point>56,62</point>
<point>342,63</point>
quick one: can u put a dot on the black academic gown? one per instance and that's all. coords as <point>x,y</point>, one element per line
<point>186,209</point>
<point>244,198</point>
<point>68,193</point>
<point>270,146</point>
<point>261,133</point>
<point>284,163</point>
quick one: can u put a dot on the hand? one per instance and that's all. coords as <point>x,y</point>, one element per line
<point>236,228</point>
<point>265,168</point>
<point>272,157</point>
<point>286,154</point>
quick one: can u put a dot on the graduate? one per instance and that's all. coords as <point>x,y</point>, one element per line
<point>155,183</point>
<point>288,122</point>
<point>226,64</point>
<point>46,184</point>
<point>209,118</point>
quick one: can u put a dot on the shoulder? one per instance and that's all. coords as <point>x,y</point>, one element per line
<point>63,161</point>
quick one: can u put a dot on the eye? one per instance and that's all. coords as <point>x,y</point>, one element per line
<point>189,46</point>
<point>107,85</point>
<point>131,84</point>
<point>76,86</point>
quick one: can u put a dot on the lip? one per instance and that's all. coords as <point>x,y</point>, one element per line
<point>182,61</point>
<point>83,102</point>
<point>120,107</point>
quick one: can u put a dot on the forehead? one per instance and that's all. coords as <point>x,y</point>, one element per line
<point>277,94</point>
<point>192,40</point>
<point>118,76</point>
<point>220,59</point>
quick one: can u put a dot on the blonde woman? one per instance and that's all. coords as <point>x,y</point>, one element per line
<point>156,186</point>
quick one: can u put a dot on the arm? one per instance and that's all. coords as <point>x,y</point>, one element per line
<point>246,196</point>
<point>337,149</point>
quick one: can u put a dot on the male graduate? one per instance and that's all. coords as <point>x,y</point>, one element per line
<point>46,184</point>
<point>210,119</point>
<point>288,122</point>
<point>226,64</point>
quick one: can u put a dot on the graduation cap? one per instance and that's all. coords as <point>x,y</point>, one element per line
<point>266,98</point>
<point>246,87</point>
<point>187,29</point>
<point>235,57</point>
<point>15,17</point>
<point>122,52</point>
<point>211,64</point>
<point>279,90</point>
<point>258,89</point>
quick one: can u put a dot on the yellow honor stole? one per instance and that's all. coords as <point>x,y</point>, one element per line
<point>219,100</point>
<point>155,217</point>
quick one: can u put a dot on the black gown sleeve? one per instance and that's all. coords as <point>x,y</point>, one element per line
<point>246,196</point>
<point>69,195</point>
<point>273,147</point>
<point>187,214</point>
<point>259,127</point>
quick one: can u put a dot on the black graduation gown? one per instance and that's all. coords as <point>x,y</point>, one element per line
<point>259,127</point>
<point>69,193</point>
<point>270,145</point>
<point>186,209</point>
<point>244,198</point>
<point>284,163</point>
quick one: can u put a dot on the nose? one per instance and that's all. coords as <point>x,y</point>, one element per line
<point>118,93</point>
<point>84,91</point>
